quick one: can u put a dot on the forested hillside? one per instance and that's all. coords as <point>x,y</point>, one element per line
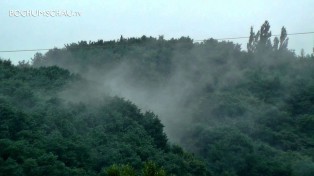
<point>42,133</point>
<point>239,112</point>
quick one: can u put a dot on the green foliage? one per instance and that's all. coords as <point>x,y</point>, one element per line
<point>43,134</point>
<point>260,42</point>
<point>245,113</point>
<point>151,169</point>
<point>122,170</point>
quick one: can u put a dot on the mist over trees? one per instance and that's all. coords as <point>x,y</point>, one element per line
<point>98,108</point>
<point>44,134</point>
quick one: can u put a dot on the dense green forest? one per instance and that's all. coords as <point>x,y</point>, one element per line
<point>98,108</point>
<point>43,134</point>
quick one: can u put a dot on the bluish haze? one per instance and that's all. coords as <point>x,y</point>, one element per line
<point>109,19</point>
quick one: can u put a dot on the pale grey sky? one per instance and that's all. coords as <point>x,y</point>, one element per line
<point>108,19</point>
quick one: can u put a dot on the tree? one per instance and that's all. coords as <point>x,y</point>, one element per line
<point>276,44</point>
<point>151,169</point>
<point>261,40</point>
<point>121,170</point>
<point>283,39</point>
<point>265,34</point>
<point>251,46</point>
<point>37,60</point>
<point>302,54</point>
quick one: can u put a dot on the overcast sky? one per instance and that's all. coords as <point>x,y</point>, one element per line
<point>108,19</point>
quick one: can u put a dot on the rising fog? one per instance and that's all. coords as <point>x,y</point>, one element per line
<point>171,99</point>
<point>171,82</point>
<point>242,112</point>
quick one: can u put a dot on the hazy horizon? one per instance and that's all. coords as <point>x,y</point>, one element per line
<point>109,19</point>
